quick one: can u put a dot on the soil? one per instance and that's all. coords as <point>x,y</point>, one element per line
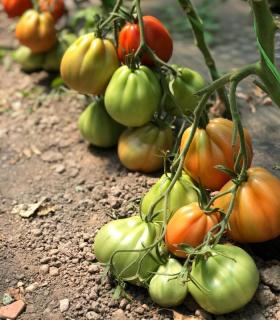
<point>47,258</point>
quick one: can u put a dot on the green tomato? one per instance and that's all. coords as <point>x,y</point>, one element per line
<point>133,96</point>
<point>225,281</point>
<point>164,289</point>
<point>181,194</point>
<point>97,127</point>
<point>128,234</point>
<point>183,88</point>
<point>29,61</point>
<point>53,57</point>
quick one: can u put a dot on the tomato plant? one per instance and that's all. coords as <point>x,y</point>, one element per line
<point>36,31</point>
<point>97,127</point>
<point>210,147</point>
<point>256,212</point>
<point>164,288</point>
<point>189,225</point>
<point>133,96</point>
<point>180,195</point>
<point>224,281</point>
<point>55,7</point>
<point>88,64</point>
<point>156,35</point>
<point>142,149</point>
<point>128,234</point>
<point>15,8</point>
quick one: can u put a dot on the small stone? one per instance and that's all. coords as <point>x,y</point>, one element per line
<point>7,299</point>
<point>37,232</point>
<point>91,315</point>
<point>265,297</point>
<point>271,277</point>
<point>64,305</point>
<point>139,310</point>
<point>203,315</point>
<point>123,303</point>
<point>93,268</point>
<point>119,315</point>
<point>13,310</point>
<point>54,271</point>
<point>20,284</point>
<point>32,287</point>
<point>60,168</point>
<point>51,156</point>
<point>94,306</point>
<point>44,269</point>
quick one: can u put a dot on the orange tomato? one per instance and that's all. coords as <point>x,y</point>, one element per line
<point>55,7</point>
<point>210,147</point>
<point>188,225</point>
<point>256,213</point>
<point>36,31</point>
<point>15,8</point>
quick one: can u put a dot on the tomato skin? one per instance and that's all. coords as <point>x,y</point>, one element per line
<point>181,194</point>
<point>230,279</point>
<point>210,147</point>
<point>15,8</point>
<point>97,127</point>
<point>28,61</point>
<point>142,149</point>
<point>55,7</point>
<point>88,64</point>
<point>128,234</point>
<point>133,96</point>
<point>188,225</point>
<point>156,36</point>
<point>256,212</point>
<point>183,88</point>
<point>165,290</point>
<point>36,31</point>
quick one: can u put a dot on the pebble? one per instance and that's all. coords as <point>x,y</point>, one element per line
<point>93,268</point>
<point>265,297</point>
<point>32,287</point>
<point>44,269</point>
<point>91,315</point>
<point>64,305</point>
<point>119,315</point>
<point>271,277</point>
<point>51,156</point>
<point>60,168</point>
<point>54,271</point>
<point>37,232</point>
<point>13,310</point>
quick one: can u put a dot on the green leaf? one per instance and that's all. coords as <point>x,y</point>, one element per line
<point>57,82</point>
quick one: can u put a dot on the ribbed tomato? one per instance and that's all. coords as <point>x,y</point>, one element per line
<point>189,225</point>
<point>156,36</point>
<point>15,8</point>
<point>210,147</point>
<point>256,213</point>
<point>55,7</point>
<point>36,31</point>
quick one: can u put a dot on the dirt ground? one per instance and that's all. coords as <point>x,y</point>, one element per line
<point>47,258</point>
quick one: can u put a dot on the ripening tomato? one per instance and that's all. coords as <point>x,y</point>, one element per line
<point>28,61</point>
<point>142,149</point>
<point>210,147</point>
<point>55,7</point>
<point>225,280</point>
<point>156,36</point>
<point>36,31</point>
<point>256,212</point>
<point>128,234</point>
<point>165,289</point>
<point>15,8</point>
<point>88,64</point>
<point>188,225</point>
<point>132,96</point>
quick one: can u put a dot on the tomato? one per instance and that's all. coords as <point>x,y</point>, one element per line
<point>256,212</point>
<point>54,56</point>
<point>36,31</point>
<point>228,279</point>
<point>164,289</point>
<point>156,36</point>
<point>188,225</point>
<point>128,234</point>
<point>142,149</point>
<point>97,127</point>
<point>88,64</point>
<point>15,8</point>
<point>133,96</point>
<point>210,147</point>
<point>29,61</point>
<point>180,195</point>
<point>55,7</point>
<point>183,87</point>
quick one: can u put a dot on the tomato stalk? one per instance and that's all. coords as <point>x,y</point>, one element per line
<point>112,14</point>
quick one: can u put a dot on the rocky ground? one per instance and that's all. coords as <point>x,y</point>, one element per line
<point>69,190</point>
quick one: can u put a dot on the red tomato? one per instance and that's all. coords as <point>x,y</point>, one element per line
<point>55,7</point>
<point>210,147</point>
<point>15,8</point>
<point>188,225</point>
<point>156,35</point>
<point>256,213</point>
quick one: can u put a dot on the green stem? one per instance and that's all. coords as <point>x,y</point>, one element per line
<point>111,16</point>
<point>198,32</point>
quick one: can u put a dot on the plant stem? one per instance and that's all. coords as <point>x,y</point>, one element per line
<point>198,32</point>
<point>111,16</point>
